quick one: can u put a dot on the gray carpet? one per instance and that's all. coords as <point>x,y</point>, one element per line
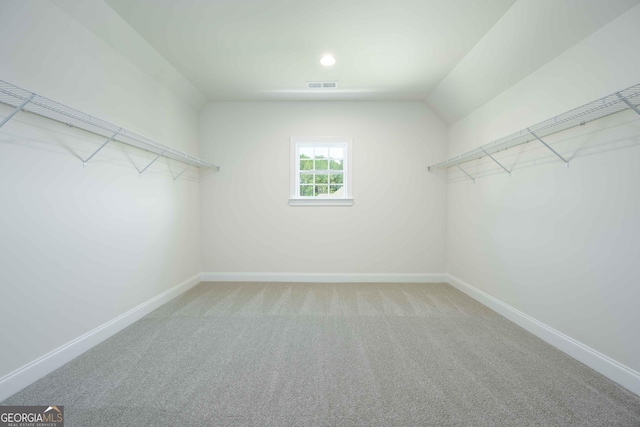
<point>276,354</point>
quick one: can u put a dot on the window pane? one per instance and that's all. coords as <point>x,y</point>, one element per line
<point>306,165</point>
<point>306,190</point>
<point>336,153</point>
<point>335,190</point>
<point>336,178</point>
<point>336,165</point>
<point>321,189</point>
<point>322,152</point>
<point>322,169</point>
<point>306,152</point>
<point>306,178</point>
<point>322,165</point>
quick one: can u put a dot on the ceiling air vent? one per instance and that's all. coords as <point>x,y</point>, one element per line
<point>322,85</point>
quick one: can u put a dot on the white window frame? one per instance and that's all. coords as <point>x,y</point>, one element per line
<point>300,141</point>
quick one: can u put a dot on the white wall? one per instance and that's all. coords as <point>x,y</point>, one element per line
<point>560,245</point>
<point>79,247</point>
<point>397,224</point>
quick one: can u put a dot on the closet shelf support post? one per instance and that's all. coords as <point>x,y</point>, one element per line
<point>566,162</point>
<point>17,110</point>
<point>465,172</point>
<point>498,163</point>
<point>100,148</point>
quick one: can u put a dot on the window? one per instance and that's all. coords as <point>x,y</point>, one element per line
<point>321,171</point>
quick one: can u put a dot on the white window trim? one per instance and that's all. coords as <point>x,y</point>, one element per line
<point>347,199</point>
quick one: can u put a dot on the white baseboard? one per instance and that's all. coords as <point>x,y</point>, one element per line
<point>607,366</point>
<point>33,371</point>
<point>326,277</point>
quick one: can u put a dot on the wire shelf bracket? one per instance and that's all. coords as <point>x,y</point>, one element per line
<point>465,172</point>
<point>24,100</point>
<point>152,162</point>
<point>178,176</point>
<point>566,162</point>
<point>620,101</point>
<point>626,101</point>
<point>84,162</point>
<point>499,164</point>
<point>17,110</point>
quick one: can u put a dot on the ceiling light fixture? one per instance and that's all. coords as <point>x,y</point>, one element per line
<point>327,60</point>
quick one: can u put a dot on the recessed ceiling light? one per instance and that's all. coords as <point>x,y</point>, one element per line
<point>327,60</point>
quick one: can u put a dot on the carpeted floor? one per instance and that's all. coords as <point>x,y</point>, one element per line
<point>281,354</point>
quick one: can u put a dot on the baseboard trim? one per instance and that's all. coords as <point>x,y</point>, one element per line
<point>327,277</point>
<point>610,368</point>
<point>33,371</point>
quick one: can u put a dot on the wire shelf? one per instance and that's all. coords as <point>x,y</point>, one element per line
<point>15,96</point>
<point>619,101</point>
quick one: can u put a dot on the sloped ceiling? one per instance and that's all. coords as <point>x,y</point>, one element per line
<point>269,49</point>
<point>530,34</point>
<point>455,54</point>
<point>100,19</point>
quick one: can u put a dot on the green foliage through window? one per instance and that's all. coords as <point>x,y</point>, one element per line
<point>322,179</point>
<point>321,189</point>
<point>321,170</point>
<point>336,165</point>
<point>322,165</point>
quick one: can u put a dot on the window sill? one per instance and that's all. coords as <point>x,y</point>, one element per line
<point>320,202</point>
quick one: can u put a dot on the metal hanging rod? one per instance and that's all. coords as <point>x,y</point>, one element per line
<point>619,101</point>
<point>23,100</point>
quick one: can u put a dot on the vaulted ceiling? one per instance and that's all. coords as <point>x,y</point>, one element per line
<point>456,54</point>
